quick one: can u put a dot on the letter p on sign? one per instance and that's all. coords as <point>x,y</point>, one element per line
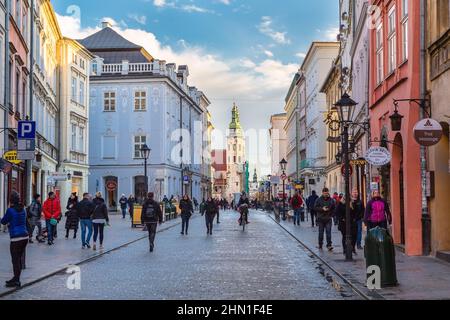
<point>26,130</point>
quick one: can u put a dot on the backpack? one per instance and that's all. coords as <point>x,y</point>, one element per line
<point>295,202</point>
<point>149,214</point>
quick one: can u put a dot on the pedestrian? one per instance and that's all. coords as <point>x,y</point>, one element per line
<point>99,219</point>
<point>72,219</point>
<point>210,210</point>
<point>341,215</point>
<point>336,201</point>
<point>151,216</point>
<point>123,201</point>
<point>377,212</point>
<point>131,201</point>
<point>358,210</point>
<point>310,202</point>
<point>195,203</point>
<point>34,218</point>
<point>217,201</point>
<point>325,206</point>
<point>186,213</point>
<point>84,211</point>
<point>16,220</point>
<point>297,205</point>
<point>52,213</point>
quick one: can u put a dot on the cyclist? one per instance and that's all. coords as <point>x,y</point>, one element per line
<point>243,201</point>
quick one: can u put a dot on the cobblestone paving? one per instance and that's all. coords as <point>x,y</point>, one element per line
<point>263,262</point>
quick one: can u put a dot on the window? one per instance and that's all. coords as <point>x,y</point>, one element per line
<point>74,58</point>
<point>17,12</point>
<point>404,30</point>
<point>379,48</point>
<point>139,142</point>
<point>82,64</point>
<point>74,88</point>
<point>110,101</point>
<point>74,137</point>
<point>82,90</point>
<point>81,140</point>
<point>140,101</point>
<point>95,68</point>
<point>24,23</point>
<point>16,104</point>
<point>392,41</point>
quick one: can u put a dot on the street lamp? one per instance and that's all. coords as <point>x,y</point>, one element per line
<point>283,165</point>
<point>269,177</point>
<point>345,108</point>
<point>145,152</point>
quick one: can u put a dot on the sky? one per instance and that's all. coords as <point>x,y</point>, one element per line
<point>243,51</point>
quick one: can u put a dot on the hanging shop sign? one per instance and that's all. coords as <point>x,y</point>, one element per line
<point>358,162</point>
<point>378,156</point>
<point>111,185</point>
<point>428,132</point>
<point>11,156</point>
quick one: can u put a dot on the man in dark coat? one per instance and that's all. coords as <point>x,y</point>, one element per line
<point>151,216</point>
<point>210,210</point>
<point>310,204</point>
<point>84,211</point>
<point>325,207</point>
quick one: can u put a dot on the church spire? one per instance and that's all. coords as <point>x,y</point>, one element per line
<point>255,177</point>
<point>235,122</point>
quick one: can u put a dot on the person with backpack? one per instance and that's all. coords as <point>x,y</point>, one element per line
<point>150,217</point>
<point>34,213</point>
<point>297,205</point>
<point>52,213</point>
<point>186,213</point>
<point>15,218</point>
<point>325,208</point>
<point>72,219</point>
<point>99,219</point>
<point>210,210</point>
<point>310,202</point>
<point>84,211</point>
<point>377,212</point>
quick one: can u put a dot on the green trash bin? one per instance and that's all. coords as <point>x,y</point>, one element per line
<point>379,251</point>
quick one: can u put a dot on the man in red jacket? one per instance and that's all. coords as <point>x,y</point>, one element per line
<point>297,204</point>
<point>51,210</point>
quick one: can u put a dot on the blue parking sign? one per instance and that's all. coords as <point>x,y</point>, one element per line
<point>26,130</point>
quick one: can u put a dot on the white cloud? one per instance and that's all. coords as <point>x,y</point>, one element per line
<point>226,2</point>
<point>268,53</point>
<point>194,8</point>
<point>329,34</point>
<point>258,88</point>
<point>139,19</point>
<point>301,55</point>
<point>265,27</point>
<point>159,3</point>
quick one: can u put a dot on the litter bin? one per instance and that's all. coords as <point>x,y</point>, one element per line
<point>379,251</point>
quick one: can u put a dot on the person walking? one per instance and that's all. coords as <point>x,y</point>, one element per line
<point>34,217</point>
<point>297,205</point>
<point>195,204</point>
<point>99,219</point>
<point>217,201</point>
<point>377,212</point>
<point>186,213</point>
<point>310,202</point>
<point>52,213</point>
<point>131,201</point>
<point>325,207</point>
<point>16,220</point>
<point>72,219</point>
<point>357,206</point>
<point>151,216</point>
<point>210,210</point>
<point>123,201</point>
<point>84,211</point>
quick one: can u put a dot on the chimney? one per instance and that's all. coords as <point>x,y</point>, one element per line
<point>106,24</point>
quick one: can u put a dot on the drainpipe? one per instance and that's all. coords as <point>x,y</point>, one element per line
<point>426,218</point>
<point>29,163</point>
<point>7,96</point>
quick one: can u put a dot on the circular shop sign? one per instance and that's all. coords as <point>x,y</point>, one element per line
<point>428,132</point>
<point>378,156</point>
<point>111,186</point>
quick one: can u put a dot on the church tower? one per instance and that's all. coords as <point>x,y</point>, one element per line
<point>236,155</point>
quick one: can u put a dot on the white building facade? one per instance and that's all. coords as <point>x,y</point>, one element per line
<point>315,68</point>
<point>278,147</point>
<point>136,100</point>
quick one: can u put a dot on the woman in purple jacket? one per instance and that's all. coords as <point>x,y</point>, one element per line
<point>377,212</point>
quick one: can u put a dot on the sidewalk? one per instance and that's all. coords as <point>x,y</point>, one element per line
<point>43,260</point>
<point>420,278</point>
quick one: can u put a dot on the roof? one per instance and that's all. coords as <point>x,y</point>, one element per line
<point>291,88</point>
<point>107,38</point>
<point>113,48</point>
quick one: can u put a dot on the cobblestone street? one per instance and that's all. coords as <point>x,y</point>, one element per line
<point>263,262</point>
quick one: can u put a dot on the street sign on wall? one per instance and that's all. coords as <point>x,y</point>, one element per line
<point>428,132</point>
<point>378,156</point>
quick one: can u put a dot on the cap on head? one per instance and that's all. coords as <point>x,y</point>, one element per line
<point>325,190</point>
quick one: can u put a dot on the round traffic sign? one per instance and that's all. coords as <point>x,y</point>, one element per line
<point>284,177</point>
